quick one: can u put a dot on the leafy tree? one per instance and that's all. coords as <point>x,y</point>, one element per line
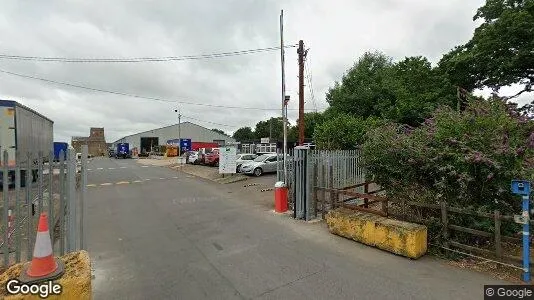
<point>218,131</point>
<point>343,132</point>
<point>243,134</point>
<point>272,127</point>
<point>418,90</point>
<point>405,92</point>
<point>500,51</point>
<point>311,121</point>
<point>365,88</point>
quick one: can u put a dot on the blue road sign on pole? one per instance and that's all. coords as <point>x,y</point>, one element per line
<point>522,188</point>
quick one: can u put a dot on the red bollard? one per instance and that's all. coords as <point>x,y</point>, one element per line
<point>280,197</point>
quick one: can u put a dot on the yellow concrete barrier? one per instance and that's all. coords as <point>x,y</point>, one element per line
<point>402,238</point>
<point>75,283</point>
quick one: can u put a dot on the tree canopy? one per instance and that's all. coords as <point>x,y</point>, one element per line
<point>218,131</point>
<point>243,134</point>
<point>406,91</point>
<point>500,51</point>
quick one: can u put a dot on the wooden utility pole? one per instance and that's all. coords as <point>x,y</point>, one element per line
<point>301,54</point>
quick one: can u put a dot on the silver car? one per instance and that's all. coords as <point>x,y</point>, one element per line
<point>243,158</point>
<point>262,164</point>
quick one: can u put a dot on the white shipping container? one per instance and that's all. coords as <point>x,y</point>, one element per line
<point>24,130</point>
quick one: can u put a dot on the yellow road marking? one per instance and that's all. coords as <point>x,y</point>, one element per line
<point>106,183</point>
<point>122,182</point>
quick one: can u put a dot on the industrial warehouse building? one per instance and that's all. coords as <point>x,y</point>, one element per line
<point>144,141</point>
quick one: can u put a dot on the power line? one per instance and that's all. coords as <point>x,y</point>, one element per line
<point>140,59</point>
<point>209,122</point>
<point>310,81</point>
<point>134,95</point>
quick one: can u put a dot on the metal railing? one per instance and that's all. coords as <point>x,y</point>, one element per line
<point>38,183</point>
<point>310,169</point>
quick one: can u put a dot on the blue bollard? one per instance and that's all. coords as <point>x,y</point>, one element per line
<point>522,187</point>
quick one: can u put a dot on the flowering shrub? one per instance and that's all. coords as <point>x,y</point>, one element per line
<point>467,158</point>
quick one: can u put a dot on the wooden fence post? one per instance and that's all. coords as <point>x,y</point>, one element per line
<point>385,206</point>
<point>445,223</point>
<point>498,246</point>
<point>366,191</point>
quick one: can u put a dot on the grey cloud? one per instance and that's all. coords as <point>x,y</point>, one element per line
<point>337,32</point>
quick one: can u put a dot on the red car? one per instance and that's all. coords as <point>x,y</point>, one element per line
<point>212,158</point>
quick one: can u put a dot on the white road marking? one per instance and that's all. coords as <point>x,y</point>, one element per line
<point>137,181</point>
<point>175,177</point>
<point>100,168</point>
<point>89,169</point>
<point>111,168</point>
<point>106,183</point>
<point>123,167</point>
<point>147,179</point>
<point>91,185</point>
<point>162,178</point>
<point>123,182</point>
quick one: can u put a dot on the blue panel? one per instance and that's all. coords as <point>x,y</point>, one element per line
<point>521,187</point>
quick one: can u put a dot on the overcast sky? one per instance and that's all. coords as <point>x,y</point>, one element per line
<point>337,33</point>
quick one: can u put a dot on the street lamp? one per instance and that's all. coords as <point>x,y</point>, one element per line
<point>179,132</point>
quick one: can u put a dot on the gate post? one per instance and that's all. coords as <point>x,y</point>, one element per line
<point>302,185</point>
<point>71,199</point>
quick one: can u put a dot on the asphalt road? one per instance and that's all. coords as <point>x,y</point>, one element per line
<point>179,237</point>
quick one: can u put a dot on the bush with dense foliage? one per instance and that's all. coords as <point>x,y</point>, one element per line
<point>343,131</point>
<point>467,158</point>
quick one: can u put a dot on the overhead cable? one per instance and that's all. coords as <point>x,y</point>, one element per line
<point>139,59</point>
<point>134,95</point>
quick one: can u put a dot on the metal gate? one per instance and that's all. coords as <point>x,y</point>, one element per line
<point>59,190</point>
<point>312,170</point>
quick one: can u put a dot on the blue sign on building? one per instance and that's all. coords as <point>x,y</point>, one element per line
<point>185,144</point>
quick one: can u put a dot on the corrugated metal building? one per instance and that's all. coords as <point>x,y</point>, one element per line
<point>160,136</point>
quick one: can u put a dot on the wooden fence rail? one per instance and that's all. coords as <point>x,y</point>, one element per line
<point>442,215</point>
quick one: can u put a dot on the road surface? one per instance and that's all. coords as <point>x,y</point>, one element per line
<point>162,234</point>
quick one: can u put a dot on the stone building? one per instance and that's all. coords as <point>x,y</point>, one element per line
<point>96,142</point>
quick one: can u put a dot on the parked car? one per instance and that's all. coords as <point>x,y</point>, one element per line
<point>212,158</point>
<point>242,158</point>
<point>193,157</point>
<point>266,163</point>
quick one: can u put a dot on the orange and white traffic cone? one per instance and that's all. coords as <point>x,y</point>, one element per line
<point>43,266</point>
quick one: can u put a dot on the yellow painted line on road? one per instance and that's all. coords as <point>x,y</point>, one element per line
<point>91,185</point>
<point>107,183</point>
<point>122,182</point>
